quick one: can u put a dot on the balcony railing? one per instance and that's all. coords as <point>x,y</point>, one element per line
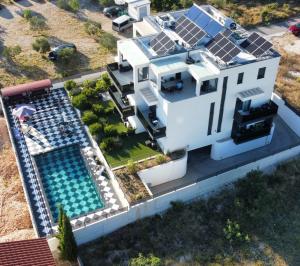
<point>112,70</point>
<point>155,129</point>
<point>265,111</point>
<point>251,133</point>
<point>123,107</point>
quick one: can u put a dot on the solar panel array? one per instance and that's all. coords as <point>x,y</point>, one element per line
<point>162,44</point>
<point>189,31</point>
<point>204,21</point>
<point>222,47</point>
<point>256,45</point>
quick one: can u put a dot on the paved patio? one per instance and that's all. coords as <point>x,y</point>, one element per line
<point>201,166</point>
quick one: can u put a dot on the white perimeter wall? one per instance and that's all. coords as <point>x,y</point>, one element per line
<point>162,203</point>
<point>164,172</point>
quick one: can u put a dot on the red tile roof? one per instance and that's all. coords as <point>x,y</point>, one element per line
<point>32,86</point>
<point>34,252</point>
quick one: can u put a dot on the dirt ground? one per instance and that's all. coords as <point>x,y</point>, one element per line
<point>63,27</point>
<point>15,223</point>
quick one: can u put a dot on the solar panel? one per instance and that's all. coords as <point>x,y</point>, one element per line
<point>189,31</point>
<point>162,44</point>
<point>204,21</point>
<point>223,48</point>
<point>256,45</point>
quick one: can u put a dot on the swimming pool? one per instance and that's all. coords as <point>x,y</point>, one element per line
<point>67,181</point>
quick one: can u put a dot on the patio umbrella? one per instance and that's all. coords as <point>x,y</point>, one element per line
<point>23,110</point>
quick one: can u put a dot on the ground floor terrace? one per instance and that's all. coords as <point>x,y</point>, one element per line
<point>200,166</point>
<point>59,164</point>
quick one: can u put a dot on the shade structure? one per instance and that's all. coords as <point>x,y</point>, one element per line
<point>24,110</point>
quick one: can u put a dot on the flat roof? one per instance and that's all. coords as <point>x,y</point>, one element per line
<point>26,253</point>
<point>132,52</point>
<point>144,28</point>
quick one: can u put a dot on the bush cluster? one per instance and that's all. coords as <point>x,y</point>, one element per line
<point>41,45</point>
<point>89,118</point>
<point>108,41</point>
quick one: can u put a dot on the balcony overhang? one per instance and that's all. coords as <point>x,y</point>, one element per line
<point>148,96</point>
<point>250,94</point>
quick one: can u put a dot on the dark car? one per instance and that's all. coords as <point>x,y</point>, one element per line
<point>295,29</point>
<point>112,11</point>
<point>53,54</point>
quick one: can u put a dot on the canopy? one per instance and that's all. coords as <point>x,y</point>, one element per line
<point>27,87</point>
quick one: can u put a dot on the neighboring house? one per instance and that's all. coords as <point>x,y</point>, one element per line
<point>26,253</point>
<point>194,78</point>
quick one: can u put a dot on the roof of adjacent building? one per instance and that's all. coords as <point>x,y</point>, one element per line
<point>27,87</point>
<point>26,253</point>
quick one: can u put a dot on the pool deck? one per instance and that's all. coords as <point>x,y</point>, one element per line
<point>46,132</point>
<point>200,166</point>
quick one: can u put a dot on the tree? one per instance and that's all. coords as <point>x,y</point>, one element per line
<point>41,45</point>
<point>145,261</point>
<point>70,84</point>
<point>81,102</point>
<point>65,55</point>
<point>89,118</point>
<point>102,86</point>
<point>67,243</point>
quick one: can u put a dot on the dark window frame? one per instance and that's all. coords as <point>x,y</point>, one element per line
<point>211,118</point>
<point>240,79</point>
<point>261,73</point>
<point>223,97</point>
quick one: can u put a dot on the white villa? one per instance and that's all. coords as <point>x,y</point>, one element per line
<point>194,78</point>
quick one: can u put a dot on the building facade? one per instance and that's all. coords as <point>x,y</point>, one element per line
<point>194,78</point>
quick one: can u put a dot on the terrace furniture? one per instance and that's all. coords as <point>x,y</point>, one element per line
<point>172,85</point>
<point>123,68</point>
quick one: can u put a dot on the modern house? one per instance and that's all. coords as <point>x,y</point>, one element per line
<point>194,78</point>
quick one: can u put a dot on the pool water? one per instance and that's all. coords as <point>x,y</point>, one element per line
<point>66,181</point>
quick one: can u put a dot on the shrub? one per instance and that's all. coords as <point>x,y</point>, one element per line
<point>63,4</point>
<point>151,260</point>
<point>98,109</point>
<point>233,233</point>
<point>89,118</point>
<point>110,131</point>
<point>92,28</point>
<point>110,143</point>
<point>11,51</point>
<point>106,3</point>
<point>132,167</point>
<point>74,5</point>
<point>106,78</point>
<point>70,84</point>
<point>41,45</point>
<point>108,41</point>
<point>65,55</point>
<point>27,14</point>
<point>75,91</point>
<point>160,159</point>
<point>37,23</point>
<point>89,83</point>
<point>89,92</point>
<point>102,85</point>
<point>95,129</point>
<point>81,102</point>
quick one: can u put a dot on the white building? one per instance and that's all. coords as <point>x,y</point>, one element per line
<point>193,78</point>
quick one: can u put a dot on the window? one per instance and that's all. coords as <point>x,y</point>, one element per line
<point>209,86</point>
<point>143,74</point>
<point>246,106</point>
<point>224,89</point>
<point>261,73</point>
<point>211,117</point>
<point>240,78</point>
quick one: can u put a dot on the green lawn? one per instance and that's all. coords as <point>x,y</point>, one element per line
<point>133,148</point>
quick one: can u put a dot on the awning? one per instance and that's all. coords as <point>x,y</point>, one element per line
<point>250,94</point>
<point>148,96</point>
<point>27,87</point>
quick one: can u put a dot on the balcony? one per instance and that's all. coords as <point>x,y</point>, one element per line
<point>253,132</point>
<point>153,126</point>
<point>267,110</point>
<point>121,103</point>
<point>122,78</point>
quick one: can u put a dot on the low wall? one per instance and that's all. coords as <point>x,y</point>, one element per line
<point>226,148</point>
<point>162,203</point>
<point>290,118</point>
<point>164,172</point>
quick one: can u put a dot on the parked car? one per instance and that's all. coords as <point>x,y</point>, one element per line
<point>295,29</point>
<point>53,54</point>
<point>122,23</point>
<point>112,11</point>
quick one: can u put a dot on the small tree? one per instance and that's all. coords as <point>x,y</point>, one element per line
<point>132,167</point>
<point>110,131</point>
<point>67,243</point>
<point>41,45</point>
<point>102,86</point>
<point>70,84</point>
<point>95,129</point>
<point>89,118</point>
<point>81,102</point>
<point>65,55</point>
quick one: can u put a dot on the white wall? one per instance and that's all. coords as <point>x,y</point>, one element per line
<point>164,172</point>
<point>226,148</point>
<point>289,117</point>
<point>162,203</point>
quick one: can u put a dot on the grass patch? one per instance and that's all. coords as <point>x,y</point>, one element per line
<point>133,148</point>
<point>257,222</point>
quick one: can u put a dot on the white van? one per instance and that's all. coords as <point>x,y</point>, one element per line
<point>122,23</point>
